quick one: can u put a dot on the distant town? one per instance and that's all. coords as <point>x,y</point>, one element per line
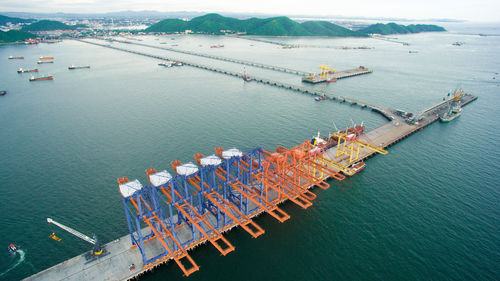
<point>34,30</point>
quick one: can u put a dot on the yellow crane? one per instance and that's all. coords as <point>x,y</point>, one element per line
<point>325,70</point>
<point>349,144</point>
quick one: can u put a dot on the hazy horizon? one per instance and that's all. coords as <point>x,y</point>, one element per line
<point>479,11</point>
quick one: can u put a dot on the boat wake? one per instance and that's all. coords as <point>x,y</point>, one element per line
<point>22,256</point>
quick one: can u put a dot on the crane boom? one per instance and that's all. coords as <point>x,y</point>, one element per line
<point>72,231</point>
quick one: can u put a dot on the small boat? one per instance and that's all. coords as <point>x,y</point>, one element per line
<point>331,80</point>
<point>321,98</point>
<point>15,58</point>
<point>46,58</point>
<point>78,67</point>
<point>166,64</point>
<point>53,236</point>
<point>358,166</point>
<point>40,61</point>
<point>178,63</point>
<point>47,77</point>
<point>20,70</point>
<point>12,248</point>
<point>3,93</point>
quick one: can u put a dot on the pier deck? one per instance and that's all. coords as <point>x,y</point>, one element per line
<point>115,265</point>
<point>316,78</point>
<point>304,90</point>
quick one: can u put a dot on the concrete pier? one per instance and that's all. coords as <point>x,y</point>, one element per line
<point>331,77</point>
<point>244,62</point>
<point>266,81</point>
<point>115,265</point>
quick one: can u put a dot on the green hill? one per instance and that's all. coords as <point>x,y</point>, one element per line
<point>277,26</point>
<point>324,28</point>
<point>394,28</point>
<point>15,36</point>
<point>46,25</point>
<point>5,19</point>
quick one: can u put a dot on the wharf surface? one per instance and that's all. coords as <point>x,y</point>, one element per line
<point>312,78</point>
<point>384,111</point>
<point>115,265</point>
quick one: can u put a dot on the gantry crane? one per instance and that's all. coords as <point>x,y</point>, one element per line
<point>97,251</point>
<point>350,144</point>
<point>325,70</point>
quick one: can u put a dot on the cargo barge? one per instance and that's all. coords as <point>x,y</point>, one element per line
<point>46,77</point>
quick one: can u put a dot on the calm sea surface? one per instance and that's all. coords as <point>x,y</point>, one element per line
<point>429,210</point>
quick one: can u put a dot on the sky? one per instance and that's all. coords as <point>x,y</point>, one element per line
<point>479,10</point>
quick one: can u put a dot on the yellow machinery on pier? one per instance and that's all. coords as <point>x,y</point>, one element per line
<point>325,70</point>
<point>349,144</point>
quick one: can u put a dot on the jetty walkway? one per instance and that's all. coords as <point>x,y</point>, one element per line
<point>386,112</point>
<point>244,62</point>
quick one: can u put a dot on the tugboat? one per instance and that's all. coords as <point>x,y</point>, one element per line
<point>78,67</point>
<point>166,64</point>
<point>20,70</point>
<point>47,77</point>
<point>12,248</point>
<point>2,93</point>
<point>358,167</point>
<point>321,98</point>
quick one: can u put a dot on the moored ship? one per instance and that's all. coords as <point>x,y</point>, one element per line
<point>78,67</point>
<point>451,114</point>
<point>20,70</point>
<point>46,77</point>
<point>358,167</point>
<point>46,58</point>
<point>454,108</point>
<point>41,61</point>
<point>15,58</point>
<point>332,140</point>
